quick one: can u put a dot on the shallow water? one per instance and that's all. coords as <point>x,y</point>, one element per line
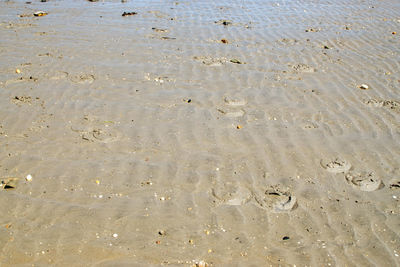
<point>158,136</point>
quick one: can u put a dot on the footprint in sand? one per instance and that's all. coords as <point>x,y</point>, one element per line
<point>232,113</point>
<point>277,200</point>
<point>95,130</point>
<point>364,181</point>
<point>103,136</point>
<point>233,107</point>
<point>233,195</point>
<point>336,166</point>
<point>83,78</point>
<point>59,75</point>
<point>234,102</point>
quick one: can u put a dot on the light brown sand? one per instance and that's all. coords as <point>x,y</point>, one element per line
<point>146,150</point>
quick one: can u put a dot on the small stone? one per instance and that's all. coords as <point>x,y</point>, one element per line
<point>128,14</point>
<point>285,238</point>
<point>18,71</point>
<point>201,264</point>
<point>28,178</point>
<point>236,61</point>
<point>162,232</point>
<point>363,87</point>
<point>224,22</point>
<point>224,41</point>
<point>146,183</point>
<point>9,183</point>
<point>115,235</point>
<point>40,14</point>
<point>239,127</point>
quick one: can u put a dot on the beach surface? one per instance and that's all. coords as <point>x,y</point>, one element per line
<point>200,133</point>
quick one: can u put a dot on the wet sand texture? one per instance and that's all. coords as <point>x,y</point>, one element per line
<point>200,133</point>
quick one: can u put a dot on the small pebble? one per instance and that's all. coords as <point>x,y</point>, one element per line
<point>28,178</point>
<point>18,71</point>
<point>239,127</point>
<point>364,87</point>
<point>236,61</point>
<point>40,14</point>
<point>161,232</point>
<point>201,264</point>
<point>115,235</point>
<point>285,238</point>
<point>129,14</point>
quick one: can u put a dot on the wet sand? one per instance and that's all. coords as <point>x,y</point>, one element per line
<point>194,133</point>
